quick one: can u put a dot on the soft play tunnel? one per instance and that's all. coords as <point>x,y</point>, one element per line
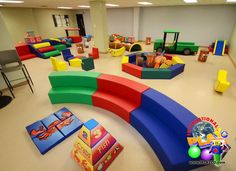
<point>160,120</point>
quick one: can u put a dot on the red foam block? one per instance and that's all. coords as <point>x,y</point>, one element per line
<point>75,39</point>
<point>46,49</point>
<point>132,69</point>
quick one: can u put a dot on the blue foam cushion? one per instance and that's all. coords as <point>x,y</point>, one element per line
<point>63,113</point>
<point>176,69</point>
<point>49,120</point>
<point>35,129</point>
<point>70,125</point>
<point>44,145</point>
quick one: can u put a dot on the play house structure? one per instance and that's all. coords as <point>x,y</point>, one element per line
<point>152,66</point>
<point>185,48</point>
<point>95,148</point>
<point>159,119</point>
<point>75,39</point>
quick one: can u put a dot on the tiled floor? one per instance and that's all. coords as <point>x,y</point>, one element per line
<point>193,89</point>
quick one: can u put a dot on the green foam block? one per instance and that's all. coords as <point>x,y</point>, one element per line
<point>74,79</point>
<point>160,73</point>
<point>51,53</point>
<point>60,47</point>
<point>71,95</point>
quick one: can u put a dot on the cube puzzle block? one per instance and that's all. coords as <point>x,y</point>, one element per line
<point>92,132</point>
<point>69,126</point>
<point>63,113</point>
<point>92,155</point>
<point>35,129</point>
<point>87,63</point>
<point>103,163</point>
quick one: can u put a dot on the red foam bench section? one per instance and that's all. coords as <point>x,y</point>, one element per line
<point>118,95</point>
<point>24,52</point>
<point>46,49</point>
<point>132,69</point>
<point>75,39</point>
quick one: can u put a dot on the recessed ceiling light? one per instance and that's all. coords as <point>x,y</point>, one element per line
<point>12,2</point>
<point>144,3</point>
<point>112,5</point>
<point>84,6</point>
<point>64,7</point>
<point>190,1</point>
<point>231,1</point>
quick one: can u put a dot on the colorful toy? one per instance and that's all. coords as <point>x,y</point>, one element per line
<point>203,55</point>
<point>139,59</point>
<point>24,52</point>
<point>219,48</point>
<point>31,38</point>
<point>185,48</point>
<point>117,52</point>
<point>155,116</point>
<point>148,41</point>
<point>95,148</point>
<point>75,62</point>
<point>58,65</point>
<point>221,84</point>
<point>80,48</point>
<point>94,54</point>
<point>212,46</point>
<point>50,131</point>
<point>75,39</point>
<point>160,67</point>
<point>67,54</point>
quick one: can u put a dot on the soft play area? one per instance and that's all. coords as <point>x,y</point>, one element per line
<point>118,85</point>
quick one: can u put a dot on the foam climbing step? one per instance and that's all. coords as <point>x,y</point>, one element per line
<point>51,53</point>
<point>60,47</point>
<point>41,45</point>
<point>81,95</point>
<point>74,79</point>
<point>46,49</point>
<point>160,73</point>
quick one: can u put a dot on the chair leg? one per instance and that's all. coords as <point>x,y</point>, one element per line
<point>6,79</point>
<point>7,83</point>
<point>28,74</point>
<point>27,80</point>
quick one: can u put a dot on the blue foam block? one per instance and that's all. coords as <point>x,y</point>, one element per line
<point>63,113</point>
<point>35,129</point>
<point>168,111</point>
<point>176,69</point>
<point>45,145</point>
<point>49,120</point>
<point>70,125</point>
<point>219,47</point>
<point>169,149</point>
<point>132,57</point>
<point>91,124</point>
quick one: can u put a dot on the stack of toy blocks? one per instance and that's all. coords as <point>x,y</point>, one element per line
<point>95,148</point>
<point>52,130</point>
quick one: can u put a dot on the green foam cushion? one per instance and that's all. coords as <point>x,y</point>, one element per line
<point>60,47</point>
<point>74,79</point>
<point>152,73</point>
<point>51,53</point>
<point>71,95</point>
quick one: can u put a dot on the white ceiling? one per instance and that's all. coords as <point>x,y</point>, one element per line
<point>122,3</point>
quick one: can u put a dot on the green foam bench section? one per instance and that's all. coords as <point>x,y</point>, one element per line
<point>51,53</point>
<point>72,86</point>
<point>152,73</point>
<point>60,47</point>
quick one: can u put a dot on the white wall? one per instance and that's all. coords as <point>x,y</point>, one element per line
<point>232,48</point>
<point>200,24</point>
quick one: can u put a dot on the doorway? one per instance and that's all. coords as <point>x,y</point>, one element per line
<point>80,23</point>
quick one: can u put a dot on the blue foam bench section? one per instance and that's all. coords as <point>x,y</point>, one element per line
<point>176,69</point>
<point>164,123</point>
<point>132,58</point>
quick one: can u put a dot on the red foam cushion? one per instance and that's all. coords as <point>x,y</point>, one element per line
<point>28,56</point>
<point>22,49</point>
<point>46,49</point>
<point>132,69</point>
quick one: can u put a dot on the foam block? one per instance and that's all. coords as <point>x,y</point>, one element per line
<point>50,121</point>
<point>48,140</point>
<point>69,125</point>
<point>35,129</point>
<point>176,69</point>
<point>46,49</point>
<point>87,64</point>
<point>152,73</point>
<point>60,47</point>
<point>63,113</point>
<point>51,53</point>
<point>41,45</point>
<point>132,58</point>
<point>132,69</point>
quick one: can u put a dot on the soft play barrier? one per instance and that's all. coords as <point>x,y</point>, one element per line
<point>161,121</point>
<point>129,66</point>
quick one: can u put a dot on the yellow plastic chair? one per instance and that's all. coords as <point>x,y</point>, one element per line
<point>58,65</point>
<point>221,84</point>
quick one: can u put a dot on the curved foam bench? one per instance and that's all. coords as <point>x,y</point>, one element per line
<point>129,66</point>
<point>161,121</point>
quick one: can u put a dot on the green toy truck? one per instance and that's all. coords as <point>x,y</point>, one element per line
<point>185,48</point>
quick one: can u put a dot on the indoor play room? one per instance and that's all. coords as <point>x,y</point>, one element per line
<point>96,85</point>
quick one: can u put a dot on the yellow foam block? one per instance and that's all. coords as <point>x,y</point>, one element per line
<point>164,66</point>
<point>177,60</point>
<point>41,45</point>
<point>75,62</point>
<point>55,39</point>
<point>125,59</point>
<point>221,84</point>
<point>58,65</point>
